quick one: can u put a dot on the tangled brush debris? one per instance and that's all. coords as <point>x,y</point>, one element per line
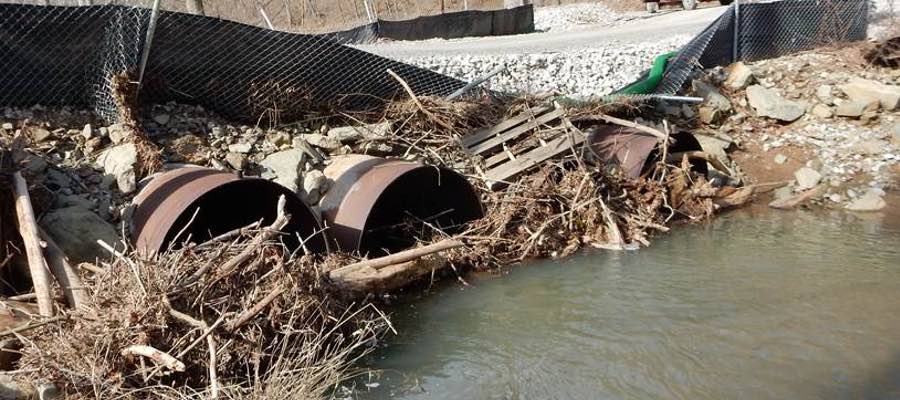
<point>237,317</point>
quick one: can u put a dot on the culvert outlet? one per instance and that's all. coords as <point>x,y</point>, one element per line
<point>222,202</point>
<point>380,206</point>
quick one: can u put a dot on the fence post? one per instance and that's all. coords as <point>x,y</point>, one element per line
<point>736,46</point>
<point>148,41</point>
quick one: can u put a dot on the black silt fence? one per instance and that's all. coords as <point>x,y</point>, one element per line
<point>53,55</point>
<point>767,30</point>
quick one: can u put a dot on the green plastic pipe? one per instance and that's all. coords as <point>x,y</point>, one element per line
<point>649,84</point>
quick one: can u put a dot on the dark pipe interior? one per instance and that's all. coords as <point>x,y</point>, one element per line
<point>684,141</point>
<point>421,194</point>
<point>240,203</point>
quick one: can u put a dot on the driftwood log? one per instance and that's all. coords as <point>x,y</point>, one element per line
<point>393,271</point>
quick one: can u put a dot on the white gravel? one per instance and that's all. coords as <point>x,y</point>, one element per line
<point>581,72</point>
<point>573,16</point>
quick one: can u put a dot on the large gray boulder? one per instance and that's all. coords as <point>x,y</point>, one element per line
<point>76,229</point>
<point>285,167</point>
<point>864,90</point>
<point>768,103</point>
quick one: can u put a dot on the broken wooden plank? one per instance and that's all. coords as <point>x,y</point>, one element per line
<point>498,176</point>
<point>500,158</point>
<point>471,140</point>
<point>515,132</point>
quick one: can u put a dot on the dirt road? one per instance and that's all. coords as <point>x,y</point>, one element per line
<point>643,29</point>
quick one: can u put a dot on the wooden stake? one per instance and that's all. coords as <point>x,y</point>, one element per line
<point>37,266</point>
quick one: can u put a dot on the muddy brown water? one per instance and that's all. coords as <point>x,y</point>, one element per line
<point>756,304</point>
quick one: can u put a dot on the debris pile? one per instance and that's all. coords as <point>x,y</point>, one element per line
<point>232,318</point>
<point>826,120</point>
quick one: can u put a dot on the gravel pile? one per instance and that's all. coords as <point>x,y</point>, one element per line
<point>571,16</point>
<point>582,72</point>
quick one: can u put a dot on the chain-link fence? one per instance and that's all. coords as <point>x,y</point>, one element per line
<point>750,31</point>
<point>54,55</point>
<point>72,55</point>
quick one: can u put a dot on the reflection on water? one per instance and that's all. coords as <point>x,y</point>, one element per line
<point>754,305</point>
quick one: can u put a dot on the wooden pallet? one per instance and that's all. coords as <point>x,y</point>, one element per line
<point>522,142</point>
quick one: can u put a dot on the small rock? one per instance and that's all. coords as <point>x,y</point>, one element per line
<point>713,145</point>
<point>187,149</point>
<point>768,103</point>
<point>87,132</point>
<point>322,141</point>
<point>739,76</point>
<point>708,115</point>
<point>7,126</point>
<point>782,193</point>
<point>350,134</point>
<point>823,93</point>
<point>865,90</point>
<point>853,108</point>
<point>711,96</point>
<point>780,159</point>
<point>34,165</point>
<point>687,111</point>
<point>117,133</point>
<point>118,162</point>
<point>72,200</point>
<point>807,178</point>
<point>279,138</point>
<point>242,148</point>
<point>870,201</point>
<point>127,180</point>
<point>162,119</point>
<point>836,198</point>
<point>284,167</point>
<point>869,147</point>
<point>895,134</point>
<point>314,186</point>
<point>672,111</point>
<point>76,230</point>
<point>38,135</point>
<point>237,161</point>
<point>822,111</point>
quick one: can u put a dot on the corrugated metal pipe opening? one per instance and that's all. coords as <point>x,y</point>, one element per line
<point>222,202</point>
<point>380,206</point>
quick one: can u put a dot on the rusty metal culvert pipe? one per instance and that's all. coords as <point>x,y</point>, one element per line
<point>222,202</point>
<point>378,206</point>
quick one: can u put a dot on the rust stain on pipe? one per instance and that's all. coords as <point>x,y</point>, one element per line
<point>370,196</point>
<point>222,201</point>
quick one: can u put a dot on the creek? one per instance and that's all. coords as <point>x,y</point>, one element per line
<point>754,304</point>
